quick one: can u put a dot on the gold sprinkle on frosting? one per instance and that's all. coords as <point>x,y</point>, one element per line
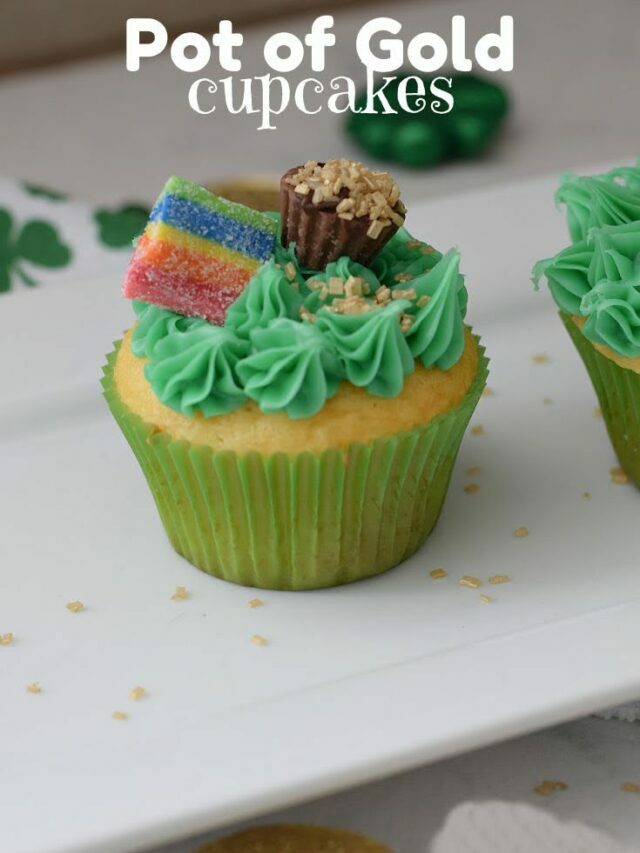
<point>470,581</point>
<point>137,694</point>
<point>75,606</point>
<point>436,574</point>
<point>521,532</point>
<point>6,639</point>
<point>549,786</point>
<point>180,594</point>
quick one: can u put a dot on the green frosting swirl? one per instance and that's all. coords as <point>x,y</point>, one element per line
<point>599,278</point>
<point>371,346</point>
<point>293,369</point>
<point>436,335</point>
<point>268,296</point>
<point>154,324</point>
<point>405,256</point>
<point>612,198</point>
<point>195,370</point>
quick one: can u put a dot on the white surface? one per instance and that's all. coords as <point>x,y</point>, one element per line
<point>357,682</point>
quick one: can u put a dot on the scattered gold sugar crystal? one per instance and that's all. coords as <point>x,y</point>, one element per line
<point>498,579</point>
<point>521,532</point>
<point>75,606</point>
<point>354,189</point>
<point>540,358</point>
<point>478,429</point>
<point>470,581</point>
<point>6,639</point>
<point>474,470</point>
<point>630,787</point>
<point>427,250</point>
<point>488,392</point>
<point>180,594</point>
<point>120,715</point>
<point>486,599</point>
<point>137,693</point>
<point>404,293</point>
<point>423,300</point>
<point>255,602</point>
<point>618,476</point>
<point>436,574</point>
<point>597,412</point>
<point>549,786</point>
<point>34,687</point>
<point>472,488</point>
<point>257,640</point>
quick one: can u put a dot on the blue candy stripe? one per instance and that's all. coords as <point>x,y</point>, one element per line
<point>211,225</point>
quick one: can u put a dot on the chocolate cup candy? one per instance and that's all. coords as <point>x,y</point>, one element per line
<point>320,235</point>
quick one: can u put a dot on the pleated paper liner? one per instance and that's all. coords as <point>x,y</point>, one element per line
<point>618,392</point>
<point>304,521</point>
<point>294,838</point>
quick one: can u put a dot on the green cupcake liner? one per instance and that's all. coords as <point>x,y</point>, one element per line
<point>618,392</point>
<point>304,521</point>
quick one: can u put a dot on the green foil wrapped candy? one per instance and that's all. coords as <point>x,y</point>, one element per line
<point>426,138</point>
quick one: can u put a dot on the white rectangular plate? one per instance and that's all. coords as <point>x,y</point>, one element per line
<point>355,682</point>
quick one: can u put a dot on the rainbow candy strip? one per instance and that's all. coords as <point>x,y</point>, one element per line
<point>198,252</point>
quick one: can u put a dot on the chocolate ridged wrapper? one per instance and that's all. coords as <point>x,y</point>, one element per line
<point>320,235</point>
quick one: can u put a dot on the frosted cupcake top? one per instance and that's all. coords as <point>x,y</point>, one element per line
<point>597,277</point>
<point>290,335</point>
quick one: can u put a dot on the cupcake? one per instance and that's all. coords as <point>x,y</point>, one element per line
<point>297,427</point>
<point>595,282</point>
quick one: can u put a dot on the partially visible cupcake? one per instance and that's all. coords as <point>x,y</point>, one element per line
<point>297,428</point>
<point>595,283</point>
<point>294,838</point>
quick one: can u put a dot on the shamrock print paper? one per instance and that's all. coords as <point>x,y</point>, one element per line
<point>36,242</point>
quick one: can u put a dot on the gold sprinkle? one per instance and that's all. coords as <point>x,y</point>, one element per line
<point>497,579</point>
<point>34,687</point>
<point>470,581</point>
<point>137,693</point>
<point>521,532</point>
<point>478,429</point>
<point>255,602</point>
<point>120,715</point>
<point>423,300</point>
<point>547,401</point>
<point>290,271</point>
<point>75,606</point>
<point>6,639</point>
<point>586,496</point>
<point>471,488</point>
<point>630,787</point>
<point>180,594</point>
<point>540,358</point>
<point>427,250</point>
<point>486,599</point>
<point>474,471</point>
<point>257,640</point>
<point>436,574</point>
<point>488,392</point>
<point>548,786</point>
<point>618,476</point>
<point>597,412</point>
